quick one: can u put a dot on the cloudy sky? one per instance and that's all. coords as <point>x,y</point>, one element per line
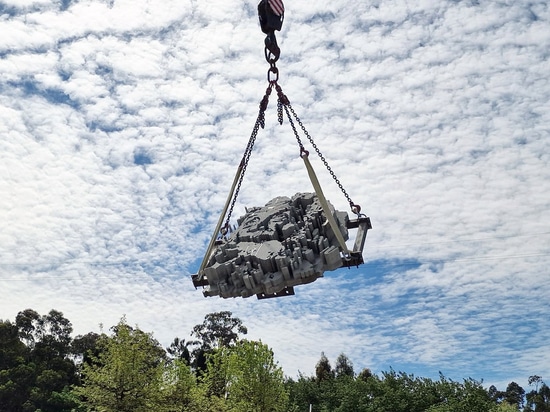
<point>122,124</point>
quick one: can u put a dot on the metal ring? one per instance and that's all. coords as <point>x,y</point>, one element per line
<point>274,70</point>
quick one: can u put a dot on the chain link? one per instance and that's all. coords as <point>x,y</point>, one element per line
<point>260,122</point>
<point>279,112</point>
<point>294,128</point>
<point>288,107</point>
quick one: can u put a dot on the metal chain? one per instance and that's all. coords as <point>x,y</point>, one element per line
<point>355,208</point>
<point>294,129</point>
<point>260,122</point>
<point>282,103</point>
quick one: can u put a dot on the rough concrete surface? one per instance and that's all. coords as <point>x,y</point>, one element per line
<point>285,243</point>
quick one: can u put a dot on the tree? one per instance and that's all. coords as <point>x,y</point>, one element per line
<point>504,407</point>
<point>538,400</point>
<point>496,395</point>
<point>42,373</point>
<point>468,396</point>
<point>536,380</point>
<point>344,366</point>
<point>56,330</point>
<point>254,382</point>
<point>126,375</point>
<point>514,395</point>
<point>402,392</point>
<point>181,391</point>
<point>323,370</point>
<point>55,371</point>
<point>27,322</point>
<point>303,392</point>
<point>84,347</point>
<point>219,329</point>
<point>15,377</point>
<point>179,349</point>
<point>542,401</point>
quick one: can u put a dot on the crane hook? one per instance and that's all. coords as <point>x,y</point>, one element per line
<point>271,14</point>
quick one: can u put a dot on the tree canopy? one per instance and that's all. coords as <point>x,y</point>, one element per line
<point>42,368</point>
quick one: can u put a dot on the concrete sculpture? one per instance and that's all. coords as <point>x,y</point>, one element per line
<point>275,247</point>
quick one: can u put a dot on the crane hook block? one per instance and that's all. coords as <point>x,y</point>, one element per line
<point>276,247</point>
<point>271,14</point>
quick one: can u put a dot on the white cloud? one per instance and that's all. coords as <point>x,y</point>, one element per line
<point>123,123</point>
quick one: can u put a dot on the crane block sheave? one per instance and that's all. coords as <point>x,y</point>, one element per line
<point>291,240</point>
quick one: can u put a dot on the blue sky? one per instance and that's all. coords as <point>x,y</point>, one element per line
<point>122,124</point>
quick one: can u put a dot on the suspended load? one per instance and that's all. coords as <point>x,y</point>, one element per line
<point>276,247</point>
<point>289,241</point>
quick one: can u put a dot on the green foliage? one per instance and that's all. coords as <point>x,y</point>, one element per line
<point>247,376</point>
<point>344,366</point>
<point>468,396</point>
<point>126,375</point>
<point>15,376</point>
<point>180,390</point>
<point>214,379</point>
<point>85,346</point>
<point>255,381</point>
<point>538,399</point>
<point>43,369</point>
<point>219,329</point>
<point>504,407</point>
<point>323,369</point>
<point>179,349</point>
<point>399,391</point>
<point>35,367</point>
<point>327,391</point>
<point>514,395</point>
<point>393,391</point>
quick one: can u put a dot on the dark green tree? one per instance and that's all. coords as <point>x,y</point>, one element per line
<point>84,347</point>
<point>496,395</point>
<point>16,378</point>
<point>27,323</point>
<point>323,369</point>
<point>514,395</point>
<point>538,399</point>
<point>303,392</point>
<point>344,366</point>
<point>542,400</point>
<point>179,349</point>
<point>219,329</point>
<point>353,394</point>
<point>55,371</point>
<point>365,374</point>
<point>466,396</point>
<point>43,371</point>
<point>402,392</point>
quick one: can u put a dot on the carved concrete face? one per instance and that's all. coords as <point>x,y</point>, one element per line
<point>276,247</point>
